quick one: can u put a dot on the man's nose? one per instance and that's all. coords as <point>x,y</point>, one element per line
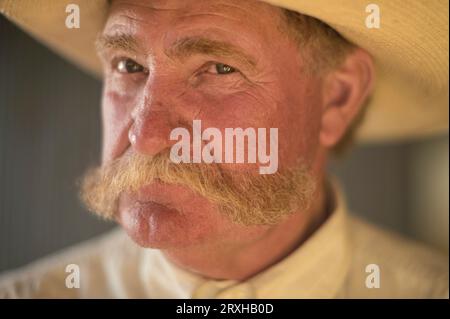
<point>151,128</point>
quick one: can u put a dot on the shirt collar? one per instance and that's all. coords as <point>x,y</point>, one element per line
<point>318,268</point>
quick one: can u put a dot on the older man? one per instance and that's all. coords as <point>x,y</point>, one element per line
<point>220,228</point>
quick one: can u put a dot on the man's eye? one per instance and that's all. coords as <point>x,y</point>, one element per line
<point>222,69</point>
<point>129,66</point>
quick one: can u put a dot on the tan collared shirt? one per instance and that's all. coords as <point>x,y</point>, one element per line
<point>344,258</point>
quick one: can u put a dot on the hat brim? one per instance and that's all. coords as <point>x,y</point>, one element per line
<point>410,98</point>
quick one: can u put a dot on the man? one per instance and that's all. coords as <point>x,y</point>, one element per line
<point>219,228</point>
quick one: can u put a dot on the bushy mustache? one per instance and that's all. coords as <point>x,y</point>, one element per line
<point>248,199</point>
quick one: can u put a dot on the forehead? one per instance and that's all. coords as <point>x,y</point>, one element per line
<point>247,9</point>
<point>243,20</point>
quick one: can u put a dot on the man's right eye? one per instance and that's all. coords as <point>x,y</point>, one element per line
<point>126,65</point>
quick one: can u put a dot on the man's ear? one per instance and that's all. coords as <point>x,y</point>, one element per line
<point>344,91</point>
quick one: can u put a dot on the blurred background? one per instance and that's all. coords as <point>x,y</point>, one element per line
<point>50,132</point>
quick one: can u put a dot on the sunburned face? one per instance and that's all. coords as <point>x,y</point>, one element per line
<point>228,64</point>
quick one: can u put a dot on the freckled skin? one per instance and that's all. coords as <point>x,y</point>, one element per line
<point>274,94</point>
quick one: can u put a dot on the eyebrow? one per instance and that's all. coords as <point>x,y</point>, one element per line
<point>198,45</point>
<point>123,42</point>
<point>181,49</point>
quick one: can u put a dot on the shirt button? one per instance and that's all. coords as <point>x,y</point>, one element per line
<point>210,289</point>
<point>239,292</point>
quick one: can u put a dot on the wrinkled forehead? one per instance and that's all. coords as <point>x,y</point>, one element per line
<point>241,8</point>
<point>223,15</point>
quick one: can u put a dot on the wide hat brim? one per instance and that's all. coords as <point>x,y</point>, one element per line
<point>410,48</point>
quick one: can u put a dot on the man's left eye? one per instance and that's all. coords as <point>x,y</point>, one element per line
<point>221,69</point>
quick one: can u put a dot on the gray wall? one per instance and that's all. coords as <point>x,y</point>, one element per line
<point>50,132</point>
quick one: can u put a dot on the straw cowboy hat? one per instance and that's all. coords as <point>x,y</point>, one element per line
<point>410,49</point>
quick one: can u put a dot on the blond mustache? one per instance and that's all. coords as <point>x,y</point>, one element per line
<point>248,199</point>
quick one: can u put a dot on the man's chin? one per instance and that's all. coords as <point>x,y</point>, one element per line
<point>149,224</point>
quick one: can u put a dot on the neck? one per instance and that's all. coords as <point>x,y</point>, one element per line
<point>240,262</point>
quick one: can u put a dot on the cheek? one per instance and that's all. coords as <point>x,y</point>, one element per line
<point>255,108</point>
<point>300,122</point>
<point>245,110</point>
<point>291,106</point>
<point>116,117</point>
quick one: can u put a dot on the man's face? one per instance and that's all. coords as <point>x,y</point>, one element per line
<point>226,63</point>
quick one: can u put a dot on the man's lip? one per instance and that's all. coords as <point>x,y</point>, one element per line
<point>154,207</point>
<point>151,194</point>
